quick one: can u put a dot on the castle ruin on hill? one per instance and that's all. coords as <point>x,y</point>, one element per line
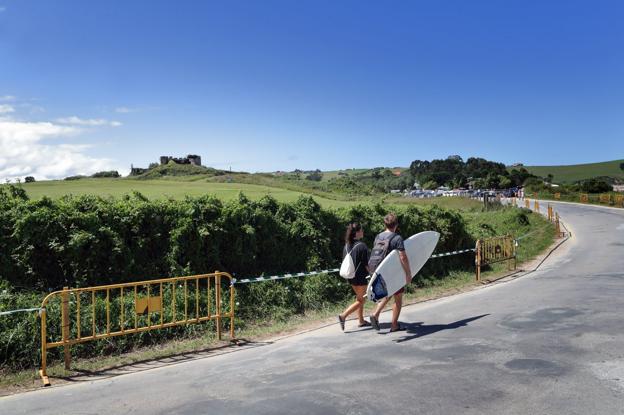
<point>192,159</point>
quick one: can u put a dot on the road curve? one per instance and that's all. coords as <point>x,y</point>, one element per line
<point>551,342</point>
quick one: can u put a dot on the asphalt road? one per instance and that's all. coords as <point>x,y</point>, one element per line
<point>551,342</point>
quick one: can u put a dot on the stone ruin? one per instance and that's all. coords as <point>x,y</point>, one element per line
<point>192,159</point>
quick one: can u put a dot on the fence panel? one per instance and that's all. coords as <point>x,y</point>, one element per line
<point>93,313</point>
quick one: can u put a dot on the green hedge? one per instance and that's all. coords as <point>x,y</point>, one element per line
<point>86,241</point>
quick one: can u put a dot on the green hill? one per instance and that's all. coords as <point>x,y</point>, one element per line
<point>576,172</point>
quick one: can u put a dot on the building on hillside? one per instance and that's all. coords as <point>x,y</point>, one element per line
<point>618,187</point>
<point>192,159</point>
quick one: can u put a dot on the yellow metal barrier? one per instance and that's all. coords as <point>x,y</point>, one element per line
<point>557,196</point>
<point>493,250</point>
<point>584,198</point>
<point>527,203</point>
<point>619,200</point>
<point>558,226</point>
<point>550,213</point>
<point>93,313</point>
<point>536,206</point>
<point>605,198</point>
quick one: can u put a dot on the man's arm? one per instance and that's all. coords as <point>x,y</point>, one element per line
<point>406,266</point>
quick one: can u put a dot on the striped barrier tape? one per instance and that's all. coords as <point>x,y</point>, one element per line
<point>22,310</point>
<point>463,251</point>
<point>326,271</point>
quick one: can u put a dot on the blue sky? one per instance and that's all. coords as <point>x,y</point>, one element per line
<point>279,85</point>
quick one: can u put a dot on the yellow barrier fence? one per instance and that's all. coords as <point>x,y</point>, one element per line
<point>536,206</point>
<point>527,203</point>
<point>557,196</point>
<point>619,200</point>
<point>493,250</point>
<point>605,198</point>
<point>584,198</point>
<point>558,226</point>
<point>551,217</point>
<point>93,313</point>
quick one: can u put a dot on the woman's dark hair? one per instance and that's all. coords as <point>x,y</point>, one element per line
<point>352,229</point>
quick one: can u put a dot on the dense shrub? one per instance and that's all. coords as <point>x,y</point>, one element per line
<point>111,173</point>
<point>88,240</point>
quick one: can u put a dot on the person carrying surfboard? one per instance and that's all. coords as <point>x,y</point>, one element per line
<point>386,242</point>
<point>359,254</point>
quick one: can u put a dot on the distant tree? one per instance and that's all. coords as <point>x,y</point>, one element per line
<point>430,185</point>
<point>621,166</point>
<point>77,177</point>
<point>504,182</point>
<point>315,176</point>
<point>549,178</point>
<point>152,166</point>
<point>595,186</point>
<point>110,173</point>
<point>29,179</point>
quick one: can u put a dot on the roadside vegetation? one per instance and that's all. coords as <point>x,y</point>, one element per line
<point>87,240</point>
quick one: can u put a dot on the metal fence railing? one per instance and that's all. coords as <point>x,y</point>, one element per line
<point>79,315</point>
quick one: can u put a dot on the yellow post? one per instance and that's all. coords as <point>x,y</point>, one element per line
<point>557,196</point>
<point>527,203</point>
<point>232,293</point>
<point>218,299</point>
<point>44,349</point>
<point>478,260</point>
<point>65,328</point>
<point>536,206</point>
<point>557,226</point>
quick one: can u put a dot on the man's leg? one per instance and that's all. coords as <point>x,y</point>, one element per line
<point>396,310</point>
<point>374,318</point>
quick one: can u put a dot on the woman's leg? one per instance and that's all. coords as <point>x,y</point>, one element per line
<point>360,295</point>
<point>358,304</point>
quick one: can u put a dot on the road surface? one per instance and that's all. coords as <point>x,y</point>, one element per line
<point>550,342</point>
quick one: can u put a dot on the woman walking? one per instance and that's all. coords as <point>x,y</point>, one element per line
<point>359,253</point>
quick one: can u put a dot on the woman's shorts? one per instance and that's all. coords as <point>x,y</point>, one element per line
<point>359,280</point>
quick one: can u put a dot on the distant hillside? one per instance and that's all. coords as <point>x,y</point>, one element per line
<point>576,172</point>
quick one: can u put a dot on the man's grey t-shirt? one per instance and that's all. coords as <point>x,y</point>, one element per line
<point>395,243</point>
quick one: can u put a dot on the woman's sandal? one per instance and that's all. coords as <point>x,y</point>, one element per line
<point>365,324</point>
<point>342,322</point>
<point>400,328</point>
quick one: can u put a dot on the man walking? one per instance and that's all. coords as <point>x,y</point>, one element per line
<point>386,242</point>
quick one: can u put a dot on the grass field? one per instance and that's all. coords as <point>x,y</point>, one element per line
<point>159,189</point>
<point>575,172</point>
<point>178,189</point>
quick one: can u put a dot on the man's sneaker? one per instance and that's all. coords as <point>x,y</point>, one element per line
<point>374,322</point>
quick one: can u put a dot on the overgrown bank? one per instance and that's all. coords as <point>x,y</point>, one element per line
<point>89,241</point>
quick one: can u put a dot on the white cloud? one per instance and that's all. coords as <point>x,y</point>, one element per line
<point>125,110</point>
<point>93,122</point>
<point>5,109</point>
<point>7,98</point>
<point>26,151</point>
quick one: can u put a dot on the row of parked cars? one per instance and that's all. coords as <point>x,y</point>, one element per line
<point>419,193</point>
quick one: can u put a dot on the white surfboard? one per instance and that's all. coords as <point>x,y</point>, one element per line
<point>390,277</point>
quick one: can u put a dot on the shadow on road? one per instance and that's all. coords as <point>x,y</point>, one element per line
<point>81,375</point>
<point>415,330</point>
